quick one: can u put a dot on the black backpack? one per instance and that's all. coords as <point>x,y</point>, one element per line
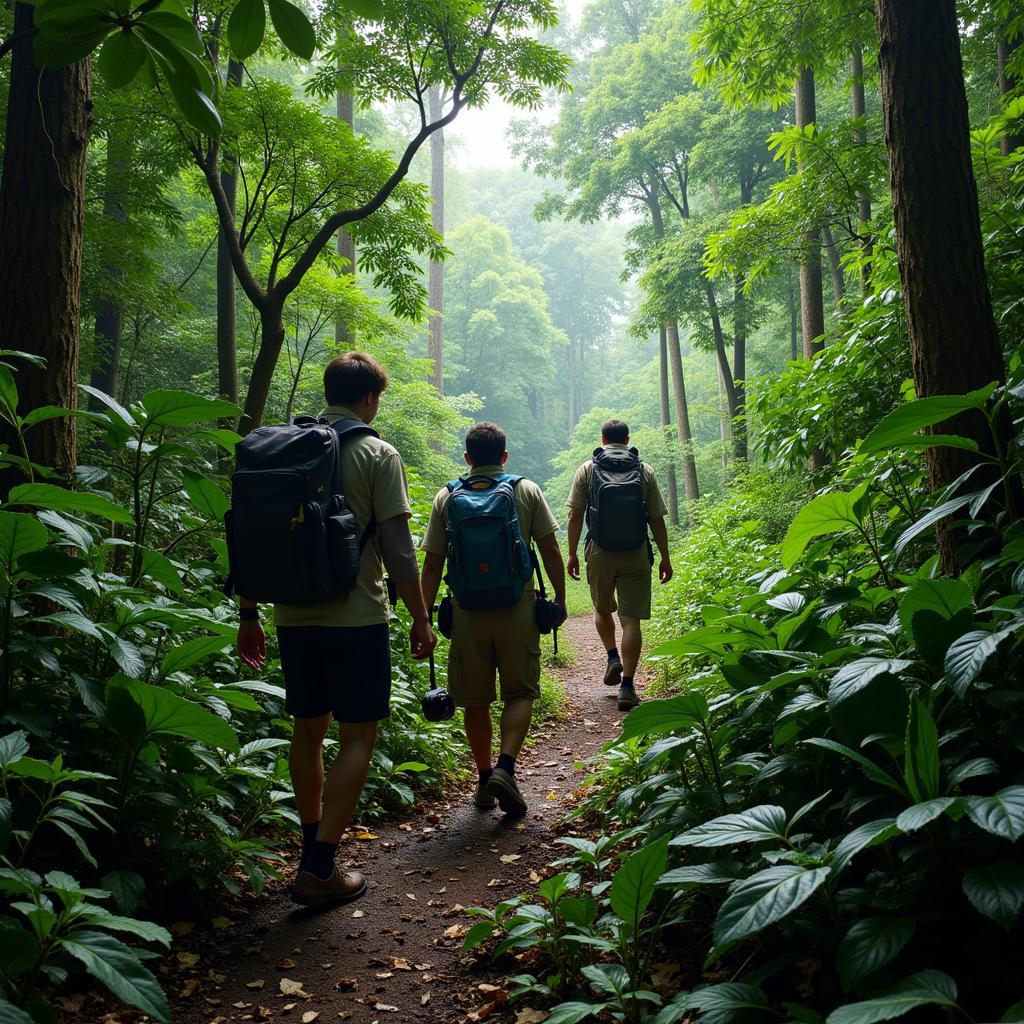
<point>616,509</point>
<point>292,539</point>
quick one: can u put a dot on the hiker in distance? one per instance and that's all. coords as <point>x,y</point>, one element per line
<point>485,524</point>
<point>319,509</point>
<point>618,497</point>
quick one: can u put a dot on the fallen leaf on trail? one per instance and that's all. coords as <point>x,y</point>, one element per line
<point>188,959</point>
<point>359,913</point>
<point>665,976</point>
<point>385,1007</point>
<point>326,967</point>
<point>551,796</point>
<point>488,988</point>
<point>344,1015</point>
<point>442,890</point>
<point>550,764</point>
<point>454,910</point>
<point>310,1016</point>
<point>401,964</point>
<point>72,1004</point>
<point>534,877</point>
<point>424,999</point>
<point>510,858</point>
<point>384,974</point>
<point>587,721</point>
<point>423,967</point>
<point>410,896</point>
<point>528,1015</point>
<point>520,827</point>
<point>493,882</point>
<point>187,989</point>
<point>182,927</point>
<point>292,988</point>
<point>216,1020</point>
<point>241,1005</point>
<point>222,922</point>
<point>257,984</point>
<point>346,984</point>
<point>455,931</point>
<point>289,1006</point>
<point>286,962</point>
<point>366,836</point>
<point>405,826</point>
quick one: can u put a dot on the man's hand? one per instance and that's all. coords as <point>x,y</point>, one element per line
<point>665,570</point>
<point>572,567</point>
<point>252,643</point>
<point>421,639</point>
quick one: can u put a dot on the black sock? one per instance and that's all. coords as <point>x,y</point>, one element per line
<point>627,681</point>
<point>507,762</point>
<point>485,775</point>
<point>321,858</point>
<point>613,654</point>
<point>308,838</point>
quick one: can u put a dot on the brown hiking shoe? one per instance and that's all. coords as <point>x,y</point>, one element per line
<point>311,891</point>
<point>482,799</point>
<point>613,673</point>
<point>502,786</point>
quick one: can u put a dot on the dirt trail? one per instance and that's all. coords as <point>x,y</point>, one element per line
<point>394,955</point>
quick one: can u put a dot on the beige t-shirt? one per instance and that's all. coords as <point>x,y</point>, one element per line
<point>579,493</point>
<point>536,520</point>
<point>373,481</point>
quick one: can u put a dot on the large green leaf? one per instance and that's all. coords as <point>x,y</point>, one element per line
<point>1002,814</point>
<point>49,496</point>
<point>9,1013</point>
<point>187,654</point>
<point>246,27</point>
<point>869,945</point>
<point>967,655</point>
<point>633,885</point>
<point>159,567</point>
<point>722,1001</point>
<point>294,28</point>
<point>947,508</point>
<point>764,898</point>
<point>20,534</point>
<point>996,890</point>
<point>755,825</point>
<point>934,613</point>
<point>899,428</point>
<point>167,713</point>
<point>924,813</point>
<point>652,718</point>
<point>207,497</point>
<point>13,747</point>
<point>927,988</point>
<point>823,515</point>
<point>871,833</point>
<point>716,639</point>
<point>8,390</point>
<point>121,58</point>
<point>574,1012</point>
<point>921,753</point>
<point>127,887</point>
<point>114,964</point>
<point>181,409</point>
<point>873,771</point>
<point>855,676</point>
<point>119,411</point>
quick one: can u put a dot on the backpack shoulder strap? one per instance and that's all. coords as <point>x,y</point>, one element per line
<point>346,430</point>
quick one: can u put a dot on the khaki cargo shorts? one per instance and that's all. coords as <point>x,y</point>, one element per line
<point>620,580</point>
<point>505,642</point>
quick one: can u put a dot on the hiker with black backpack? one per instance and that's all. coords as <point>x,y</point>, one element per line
<point>318,509</point>
<point>618,497</point>
<point>484,525</point>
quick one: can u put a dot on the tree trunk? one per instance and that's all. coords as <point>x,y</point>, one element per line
<point>571,415</point>
<point>792,306</point>
<point>829,244</point>
<point>666,421</point>
<point>262,377</point>
<point>954,345</point>
<point>435,290</point>
<point>739,369</point>
<point>227,346</point>
<point>724,422</point>
<point>690,488</point>
<point>42,209</point>
<point>860,137</point>
<point>1007,84</point>
<point>722,356</point>
<point>344,337</point>
<point>106,354</point>
<point>812,314</point>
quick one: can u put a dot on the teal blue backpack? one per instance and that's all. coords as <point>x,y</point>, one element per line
<point>489,563</point>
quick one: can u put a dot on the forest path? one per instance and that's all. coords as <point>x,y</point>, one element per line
<point>395,955</point>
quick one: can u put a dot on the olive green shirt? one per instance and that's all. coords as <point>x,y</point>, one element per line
<point>579,493</point>
<point>373,481</point>
<point>536,520</point>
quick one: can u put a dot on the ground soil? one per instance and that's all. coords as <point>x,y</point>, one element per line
<point>395,955</point>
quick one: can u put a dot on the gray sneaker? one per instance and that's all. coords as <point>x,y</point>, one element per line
<point>482,799</point>
<point>613,673</point>
<point>502,786</point>
<point>311,891</point>
<point>627,697</point>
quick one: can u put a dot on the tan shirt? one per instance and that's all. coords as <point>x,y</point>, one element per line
<point>579,493</point>
<point>536,519</point>
<point>373,480</point>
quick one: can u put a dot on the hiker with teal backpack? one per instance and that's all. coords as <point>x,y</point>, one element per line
<point>485,526</point>
<point>618,497</point>
<point>318,509</point>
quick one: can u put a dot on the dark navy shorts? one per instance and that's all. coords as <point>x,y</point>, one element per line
<point>340,670</point>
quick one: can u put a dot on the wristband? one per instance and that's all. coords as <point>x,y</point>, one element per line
<point>249,614</point>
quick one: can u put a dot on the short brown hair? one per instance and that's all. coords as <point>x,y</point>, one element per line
<point>485,444</point>
<point>615,432</point>
<point>350,376</point>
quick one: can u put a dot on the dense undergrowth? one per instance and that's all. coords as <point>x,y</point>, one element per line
<point>138,768</point>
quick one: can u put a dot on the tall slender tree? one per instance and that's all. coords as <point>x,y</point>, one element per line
<point>435,287</point>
